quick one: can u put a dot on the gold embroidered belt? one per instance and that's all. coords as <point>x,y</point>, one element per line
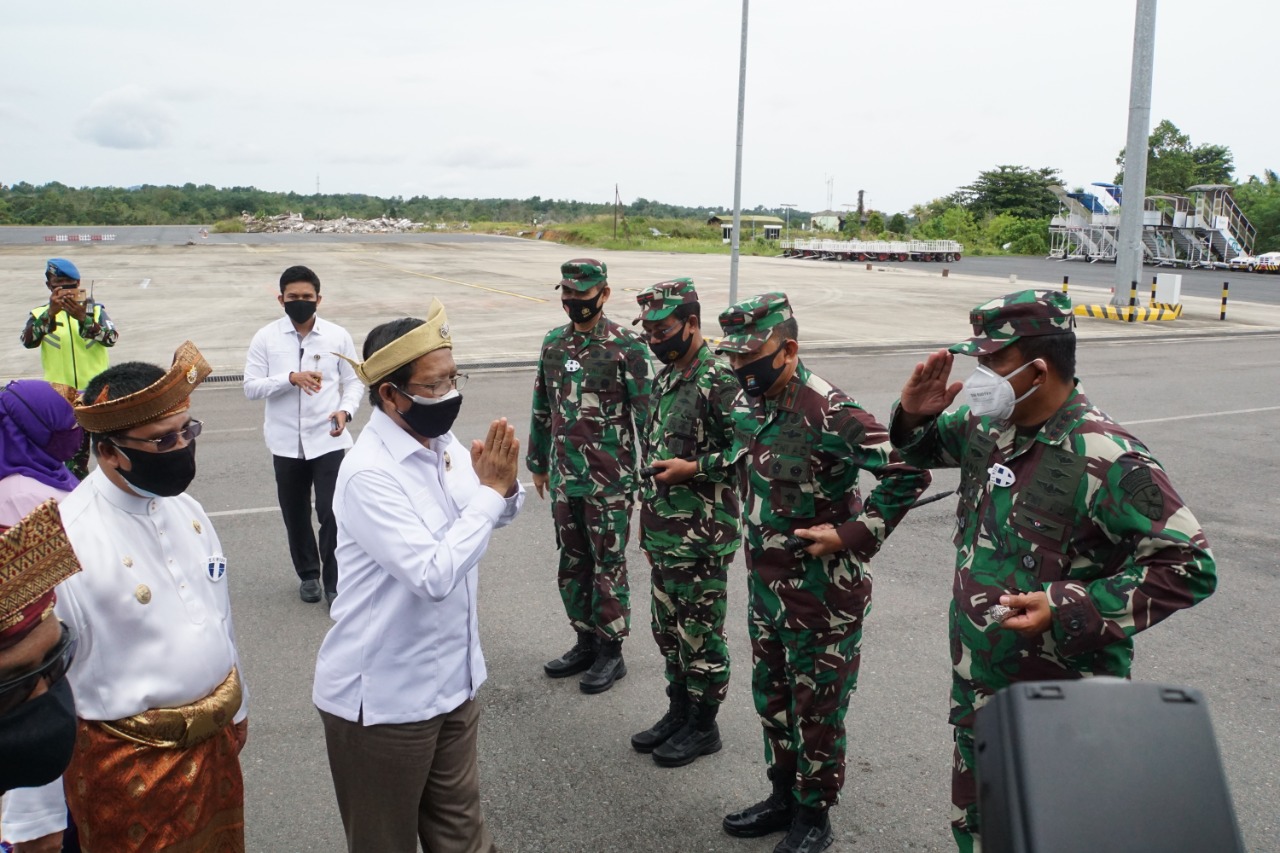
<point>182,728</point>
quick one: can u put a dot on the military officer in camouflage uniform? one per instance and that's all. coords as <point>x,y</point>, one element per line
<point>1064,516</point>
<point>689,525</point>
<point>590,401</point>
<point>806,608</point>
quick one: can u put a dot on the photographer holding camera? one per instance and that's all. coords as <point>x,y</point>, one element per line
<point>73,333</point>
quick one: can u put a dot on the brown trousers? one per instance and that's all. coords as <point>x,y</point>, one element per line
<point>402,783</point>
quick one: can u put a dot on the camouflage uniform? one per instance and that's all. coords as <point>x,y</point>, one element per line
<point>690,530</point>
<point>1090,518</point>
<point>590,390</point>
<point>806,612</point>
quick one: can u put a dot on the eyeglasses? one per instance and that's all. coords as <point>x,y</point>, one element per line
<point>168,441</point>
<point>438,389</point>
<point>661,334</point>
<point>54,667</point>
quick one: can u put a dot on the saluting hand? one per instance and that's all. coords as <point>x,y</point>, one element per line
<point>927,393</point>
<point>495,458</point>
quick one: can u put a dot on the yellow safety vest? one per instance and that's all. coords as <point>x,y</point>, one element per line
<point>66,357</point>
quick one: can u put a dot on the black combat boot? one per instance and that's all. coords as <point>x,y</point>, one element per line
<point>608,668</point>
<point>698,736</point>
<point>657,734</point>
<point>574,661</point>
<point>810,832</point>
<point>770,815</point>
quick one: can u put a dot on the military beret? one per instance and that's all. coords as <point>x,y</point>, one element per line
<point>582,274</point>
<point>1027,313</point>
<point>61,268</point>
<point>659,300</point>
<point>749,323</point>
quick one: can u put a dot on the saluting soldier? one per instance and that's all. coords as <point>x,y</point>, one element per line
<point>1064,516</point>
<point>689,519</point>
<point>806,608</point>
<point>590,401</point>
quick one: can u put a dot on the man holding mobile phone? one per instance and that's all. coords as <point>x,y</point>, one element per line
<point>73,333</point>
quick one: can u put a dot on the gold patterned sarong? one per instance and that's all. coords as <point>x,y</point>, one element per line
<point>129,794</point>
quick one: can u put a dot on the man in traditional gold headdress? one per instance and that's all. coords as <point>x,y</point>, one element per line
<point>162,713</point>
<point>397,675</point>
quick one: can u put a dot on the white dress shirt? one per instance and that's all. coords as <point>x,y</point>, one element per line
<point>297,423</point>
<point>154,624</point>
<point>413,524</point>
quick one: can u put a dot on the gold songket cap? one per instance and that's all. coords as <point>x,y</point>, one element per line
<point>35,556</point>
<point>429,337</point>
<point>168,395</point>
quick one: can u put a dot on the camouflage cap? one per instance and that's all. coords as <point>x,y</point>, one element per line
<point>658,300</point>
<point>748,324</point>
<point>1027,313</point>
<point>582,274</point>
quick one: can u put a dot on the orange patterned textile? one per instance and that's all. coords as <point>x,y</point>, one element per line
<point>130,798</point>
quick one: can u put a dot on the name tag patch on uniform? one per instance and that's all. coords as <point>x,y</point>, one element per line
<point>217,567</point>
<point>1001,475</point>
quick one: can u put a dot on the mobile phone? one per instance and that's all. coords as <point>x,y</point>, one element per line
<point>333,423</point>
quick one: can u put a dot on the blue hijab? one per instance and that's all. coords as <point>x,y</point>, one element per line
<point>38,433</point>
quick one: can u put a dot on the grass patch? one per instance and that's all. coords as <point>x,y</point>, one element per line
<point>228,226</point>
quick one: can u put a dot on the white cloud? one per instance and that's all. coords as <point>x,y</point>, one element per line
<point>482,154</point>
<point>130,117</point>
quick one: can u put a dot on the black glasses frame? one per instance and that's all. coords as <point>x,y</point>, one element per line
<point>53,668</point>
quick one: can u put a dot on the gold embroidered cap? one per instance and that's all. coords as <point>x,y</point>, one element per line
<point>168,395</point>
<point>429,337</point>
<point>35,556</point>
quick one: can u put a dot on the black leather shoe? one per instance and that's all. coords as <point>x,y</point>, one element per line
<point>310,591</point>
<point>810,833</point>
<point>773,814</point>
<point>574,661</point>
<point>330,595</point>
<point>608,668</point>
<point>658,734</point>
<point>699,736</point>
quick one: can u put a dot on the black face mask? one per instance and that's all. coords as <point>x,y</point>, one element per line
<point>582,310</point>
<point>673,348</point>
<point>300,310</point>
<point>757,377</point>
<point>431,420</point>
<point>37,739</point>
<point>160,475</point>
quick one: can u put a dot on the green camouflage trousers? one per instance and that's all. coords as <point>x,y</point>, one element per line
<point>964,793</point>
<point>802,678</point>
<point>688,609</point>
<point>591,534</point>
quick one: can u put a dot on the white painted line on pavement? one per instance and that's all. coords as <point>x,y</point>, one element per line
<point>1204,415</point>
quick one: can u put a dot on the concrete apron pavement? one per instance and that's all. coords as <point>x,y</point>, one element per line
<point>500,299</point>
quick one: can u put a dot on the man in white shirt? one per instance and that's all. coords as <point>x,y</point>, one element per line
<point>162,714</point>
<point>397,674</point>
<point>311,395</point>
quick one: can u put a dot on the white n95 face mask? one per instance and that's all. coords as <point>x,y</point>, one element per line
<point>991,395</point>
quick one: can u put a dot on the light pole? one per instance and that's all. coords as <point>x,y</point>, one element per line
<point>737,166</point>
<point>787,208</point>
<point>1129,254</point>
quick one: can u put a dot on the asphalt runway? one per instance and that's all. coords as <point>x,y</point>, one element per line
<point>557,772</point>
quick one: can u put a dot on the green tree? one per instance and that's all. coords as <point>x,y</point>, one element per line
<point>1015,190</point>
<point>875,223</point>
<point>1259,199</point>
<point>898,224</point>
<point>1173,163</point>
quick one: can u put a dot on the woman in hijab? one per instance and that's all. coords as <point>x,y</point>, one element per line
<point>38,434</point>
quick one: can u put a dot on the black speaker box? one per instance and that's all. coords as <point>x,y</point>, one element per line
<point>1101,765</point>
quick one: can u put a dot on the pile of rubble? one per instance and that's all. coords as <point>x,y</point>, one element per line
<point>293,222</point>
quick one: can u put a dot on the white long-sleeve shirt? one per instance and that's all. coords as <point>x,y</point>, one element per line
<point>153,614</point>
<point>297,423</point>
<point>413,524</point>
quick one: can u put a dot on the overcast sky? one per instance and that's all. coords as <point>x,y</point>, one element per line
<point>564,98</point>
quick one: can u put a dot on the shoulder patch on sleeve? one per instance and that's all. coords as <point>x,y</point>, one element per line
<point>1143,493</point>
